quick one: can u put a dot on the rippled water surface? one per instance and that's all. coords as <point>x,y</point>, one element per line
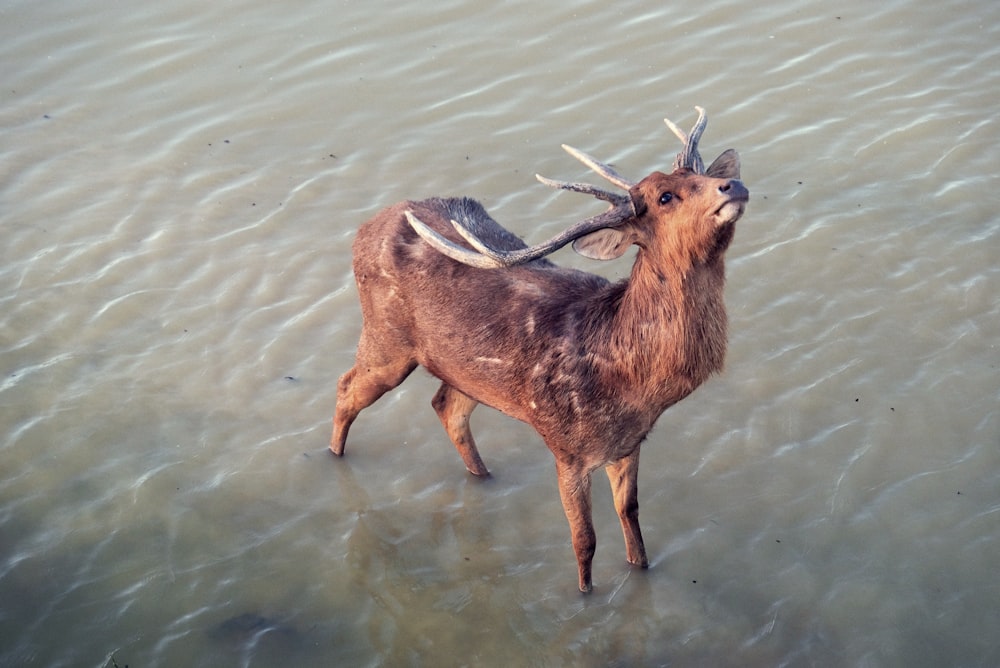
<point>179,187</point>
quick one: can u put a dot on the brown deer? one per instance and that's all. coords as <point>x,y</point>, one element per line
<point>588,363</point>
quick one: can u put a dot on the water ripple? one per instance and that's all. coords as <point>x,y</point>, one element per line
<point>178,208</point>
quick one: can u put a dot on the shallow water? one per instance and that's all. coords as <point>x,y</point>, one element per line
<point>180,185</point>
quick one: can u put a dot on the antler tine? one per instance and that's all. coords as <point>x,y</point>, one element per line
<point>689,157</point>
<point>483,259</point>
<point>606,171</point>
<point>585,188</point>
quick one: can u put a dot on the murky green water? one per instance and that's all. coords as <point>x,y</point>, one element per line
<point>179,188</point>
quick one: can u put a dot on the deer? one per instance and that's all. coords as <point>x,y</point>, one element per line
<point>590,364</point>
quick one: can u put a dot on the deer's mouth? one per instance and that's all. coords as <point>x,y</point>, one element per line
<point>731,210</point>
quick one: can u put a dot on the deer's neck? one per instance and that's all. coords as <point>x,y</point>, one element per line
<point>669,331</point>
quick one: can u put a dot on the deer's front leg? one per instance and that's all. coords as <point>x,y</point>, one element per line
<point>574,490</point>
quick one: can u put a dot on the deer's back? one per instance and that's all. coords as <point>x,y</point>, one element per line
<point>490,333</point>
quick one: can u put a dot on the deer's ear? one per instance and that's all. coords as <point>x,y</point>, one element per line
<point>606,244</point>
<point>726,166</point>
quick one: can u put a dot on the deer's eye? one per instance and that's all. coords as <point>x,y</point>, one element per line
<point>666,197</point>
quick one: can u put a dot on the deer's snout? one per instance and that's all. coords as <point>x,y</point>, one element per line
<point>735,190</point>
<point>734,198</point>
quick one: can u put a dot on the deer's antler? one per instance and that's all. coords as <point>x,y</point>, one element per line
<point>689,157</point>
<point>621,210</point>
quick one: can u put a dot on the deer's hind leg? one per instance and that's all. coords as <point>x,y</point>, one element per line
<point>454,408</point>
<point>624,477</point>
<point>374,373</point>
